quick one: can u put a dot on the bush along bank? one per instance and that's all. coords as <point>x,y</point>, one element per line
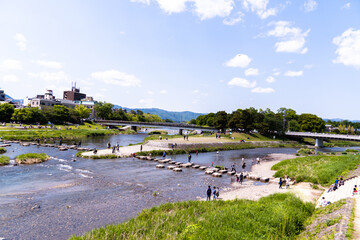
<point>4,160</point>
<point>31,158</point>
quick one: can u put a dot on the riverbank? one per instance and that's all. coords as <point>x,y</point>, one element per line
<point>57,132</point>
<point>248,190</point>
<point>176,146</point>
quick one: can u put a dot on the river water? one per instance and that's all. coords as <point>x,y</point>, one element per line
<point>62,197</point>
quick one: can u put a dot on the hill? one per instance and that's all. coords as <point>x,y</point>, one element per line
<point>174,116</point>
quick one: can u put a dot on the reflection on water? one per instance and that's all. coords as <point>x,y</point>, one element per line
<point>103,191</point>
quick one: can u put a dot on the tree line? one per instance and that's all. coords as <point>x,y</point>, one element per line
<point>263,121</point>
<point>60,114</point>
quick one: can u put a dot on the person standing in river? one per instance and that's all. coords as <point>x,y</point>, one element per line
<point>241,178</point>
<point>208,194</point>
<point>189,157</point>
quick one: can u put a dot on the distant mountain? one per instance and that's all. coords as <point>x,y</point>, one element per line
<point>339,120</point>
<point>174,116</point>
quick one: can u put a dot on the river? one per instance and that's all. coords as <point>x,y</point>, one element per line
<point>68,195</point>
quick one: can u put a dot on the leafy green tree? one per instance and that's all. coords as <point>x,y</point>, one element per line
<point>311,123</point>
<point>220,120</point>
<point>83,111</point>
<point>29,116</point>
<point>6,111</point>
<point>74,116</point>
<point>103,110</point>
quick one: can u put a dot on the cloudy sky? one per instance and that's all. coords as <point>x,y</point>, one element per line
<point>197,55</point>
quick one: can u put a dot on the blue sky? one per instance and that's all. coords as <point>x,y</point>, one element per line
<point>197,55</point>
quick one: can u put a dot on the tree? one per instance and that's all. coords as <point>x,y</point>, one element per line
<point>311,123</point>
<point>29,116</point>
<point>58,114</point>
<point>103,110</point>
<point>83,111</point>
<point>220,120</point>
<point>6,111</point>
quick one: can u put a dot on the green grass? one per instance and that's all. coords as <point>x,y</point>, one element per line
<point>107,156</point>
<point>350,228</point>
<point>2,150</point>
<point>72,133</point>
<point>279,216</point>
<point>317,169</point>
<point>305,151</point>
<point>4,160</point>
<point>24,158</point>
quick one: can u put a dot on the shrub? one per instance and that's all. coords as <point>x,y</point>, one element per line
<point>4,160</point>
<point>2,150</point>
<point>30,158</point>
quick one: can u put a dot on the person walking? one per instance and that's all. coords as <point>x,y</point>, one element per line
<point>233,168</point>
<point>164,155</point>
<point>337,183</point>
<point>218,192</point>
<point>140,148</point>
<point>214,194</point>
<point>243,166</point>
<point>241,178</point>
<point>287,182</point>
<point>208,194</point>
<point>280,183</point>
<point>189,157</point>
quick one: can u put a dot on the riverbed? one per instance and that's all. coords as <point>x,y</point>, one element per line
<point>67,195</point>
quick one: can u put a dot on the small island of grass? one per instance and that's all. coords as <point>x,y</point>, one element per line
<point>31,158</point>
<point>4,160</point>
<point>2,150</point>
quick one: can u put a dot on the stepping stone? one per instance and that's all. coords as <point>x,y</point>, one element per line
<point>195,166</point>
<point>209,171</point>
<point>202,167</point>
<point>178,163</point>
<point>63,149</point>
<point>231,173</point>
<point>177,169</point>
<point>185,165</point>
<point>172,162</point>
<point>164,161</point>
<point>170,167</point>
<point>216,169</point>
<point>264,179</point>
<point>223,171</point>
<point>216,174</point>
<point>160,166</point>
<point>25,144</point>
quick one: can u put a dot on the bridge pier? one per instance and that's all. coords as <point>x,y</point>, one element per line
<point>180,131</point>
<point>134,128</point>
<point>319,142</point>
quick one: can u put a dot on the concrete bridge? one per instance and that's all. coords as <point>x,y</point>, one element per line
<point>319,137</point>
<point>134,125</point>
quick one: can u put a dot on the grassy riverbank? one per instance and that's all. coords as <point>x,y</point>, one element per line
<point>64,132</point>
<point>4,160</point>
<point>2,150</point>
<point>279,216</point>
<point>317,169</point>
<point>31,158</point>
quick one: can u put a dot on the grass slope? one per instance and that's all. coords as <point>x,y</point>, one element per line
<point>279,216</point>
<point>317,169</point>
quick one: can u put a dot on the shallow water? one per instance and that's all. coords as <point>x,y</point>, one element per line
<point>77,196</point>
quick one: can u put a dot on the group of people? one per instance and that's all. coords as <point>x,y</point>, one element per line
<point>215,193</point>
<point>286,181</point>
<point>218,136</point>
<point>338,183</point>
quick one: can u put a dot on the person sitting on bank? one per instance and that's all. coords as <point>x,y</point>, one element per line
<point>324,202</point>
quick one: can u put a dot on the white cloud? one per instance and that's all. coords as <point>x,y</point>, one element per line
<point>348,51</point>
<point>241,82</point>
<point>117,78</point>
<point>150,92</point>
<point>309,66</point>
<point>270,79</point>
<point>147,102</point>
<point>277,73</point>
<point>310,5</point>
<point>12,64</point>
<point>87,82</point>
<point>293,73</point>
<point>51,76</point>
<point>49,64</point>
<point>262,90</point>
<point>196,91</point>
<point>260,8</point>
<point>163,92</point>
<point>10,78</point>
<point>20,41</point>
<point>291,39</point>
<point>346,6</point>
<point>251,72</point>
<point>240,60</point>
<point>204,9</point>
<point>235,20</point>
